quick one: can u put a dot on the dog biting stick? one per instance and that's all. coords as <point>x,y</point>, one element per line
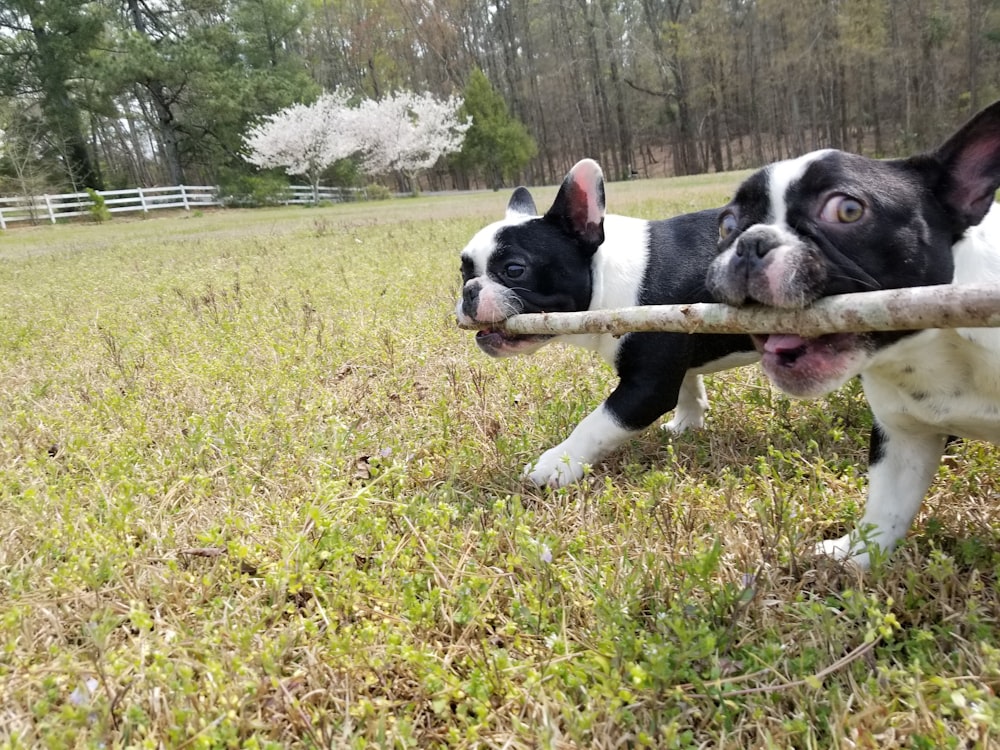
<point>916,308</point>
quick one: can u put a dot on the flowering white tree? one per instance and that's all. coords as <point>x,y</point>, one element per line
<point>407,132</point>
<point>402,133</point>
<point>305,139</point>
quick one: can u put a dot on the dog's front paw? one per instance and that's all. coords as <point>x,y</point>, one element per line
<point>684,421</point>
<point>848,548</point>
<point>691,408</point>
<point>555,468</point>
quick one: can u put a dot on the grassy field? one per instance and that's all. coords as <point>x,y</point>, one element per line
<point>257,490</point>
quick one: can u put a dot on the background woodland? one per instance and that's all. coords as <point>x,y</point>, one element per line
<point>114,93</point>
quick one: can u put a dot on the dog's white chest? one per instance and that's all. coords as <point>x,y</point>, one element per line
<point>619,267</point>
<point>942,381</point>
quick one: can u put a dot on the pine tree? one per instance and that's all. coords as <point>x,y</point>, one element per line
<point>497,144</point>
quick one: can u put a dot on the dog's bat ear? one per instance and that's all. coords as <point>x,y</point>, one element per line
<point>971,158</point>
<point>579,205</point>
<point>521,204</point>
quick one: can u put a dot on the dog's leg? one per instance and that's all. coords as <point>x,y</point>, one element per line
<point>901,468</point>
<point>594,438</point>
<point>651,380</point>
<point>692,405</point>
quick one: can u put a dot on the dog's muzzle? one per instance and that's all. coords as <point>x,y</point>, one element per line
<point>767,265</point>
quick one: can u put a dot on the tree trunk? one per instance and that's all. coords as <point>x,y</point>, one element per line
<point>63,114</point>
<point>167,127</point>
<point>537,120</point>
<point>607,136</point>
<point>623,143</point>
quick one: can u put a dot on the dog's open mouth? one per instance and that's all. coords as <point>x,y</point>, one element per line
<point>810,367</point>
<point>500,343</point>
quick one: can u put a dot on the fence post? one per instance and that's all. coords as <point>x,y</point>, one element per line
<point>184,198</point>
<point>142,201</point>
<point>48,206</point>
<point>3,222</point>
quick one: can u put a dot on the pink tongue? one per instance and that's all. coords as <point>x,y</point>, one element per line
<point>783,342</point>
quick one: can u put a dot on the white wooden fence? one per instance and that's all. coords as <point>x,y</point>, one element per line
<point>303,195</point>
<point>66,205</point>
<point>52,207</point>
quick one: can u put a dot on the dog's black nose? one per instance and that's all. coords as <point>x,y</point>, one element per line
<point>470,297</point>
<point>754,245</point>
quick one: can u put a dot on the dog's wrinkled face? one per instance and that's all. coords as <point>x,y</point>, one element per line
<point>527,263</point>
<point>823,224</point>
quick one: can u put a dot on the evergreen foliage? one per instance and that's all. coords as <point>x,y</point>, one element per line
<point>497,145</point>
<point>98,208</point>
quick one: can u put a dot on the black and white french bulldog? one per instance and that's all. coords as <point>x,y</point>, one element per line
<point>831,222</point>
<point>575,258</point>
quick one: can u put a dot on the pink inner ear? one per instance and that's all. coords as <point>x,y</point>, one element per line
<point>972,158</point>
<point>587,196</point>
<point>973,176</point>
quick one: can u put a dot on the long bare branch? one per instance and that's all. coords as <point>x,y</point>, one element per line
<point>944,306</point>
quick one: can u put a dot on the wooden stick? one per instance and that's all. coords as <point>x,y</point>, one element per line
<point>916,308</point>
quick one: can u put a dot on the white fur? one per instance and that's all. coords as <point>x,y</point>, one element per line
<point>692,406</point>
<point>620,266</point>
<point>977,259</point>
<point>618,272</point>
<point>896,488</point>
<point>782,174</point>
<point>595,437</point>
<point>692,401</point>
<point>483,242</point>
<point>921,389</point>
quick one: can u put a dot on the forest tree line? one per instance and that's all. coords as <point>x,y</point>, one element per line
<point>114,93</point>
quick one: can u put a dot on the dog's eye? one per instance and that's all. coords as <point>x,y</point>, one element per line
<point>514,270</point>
<point>727,225</point>
<point>842,209</point>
